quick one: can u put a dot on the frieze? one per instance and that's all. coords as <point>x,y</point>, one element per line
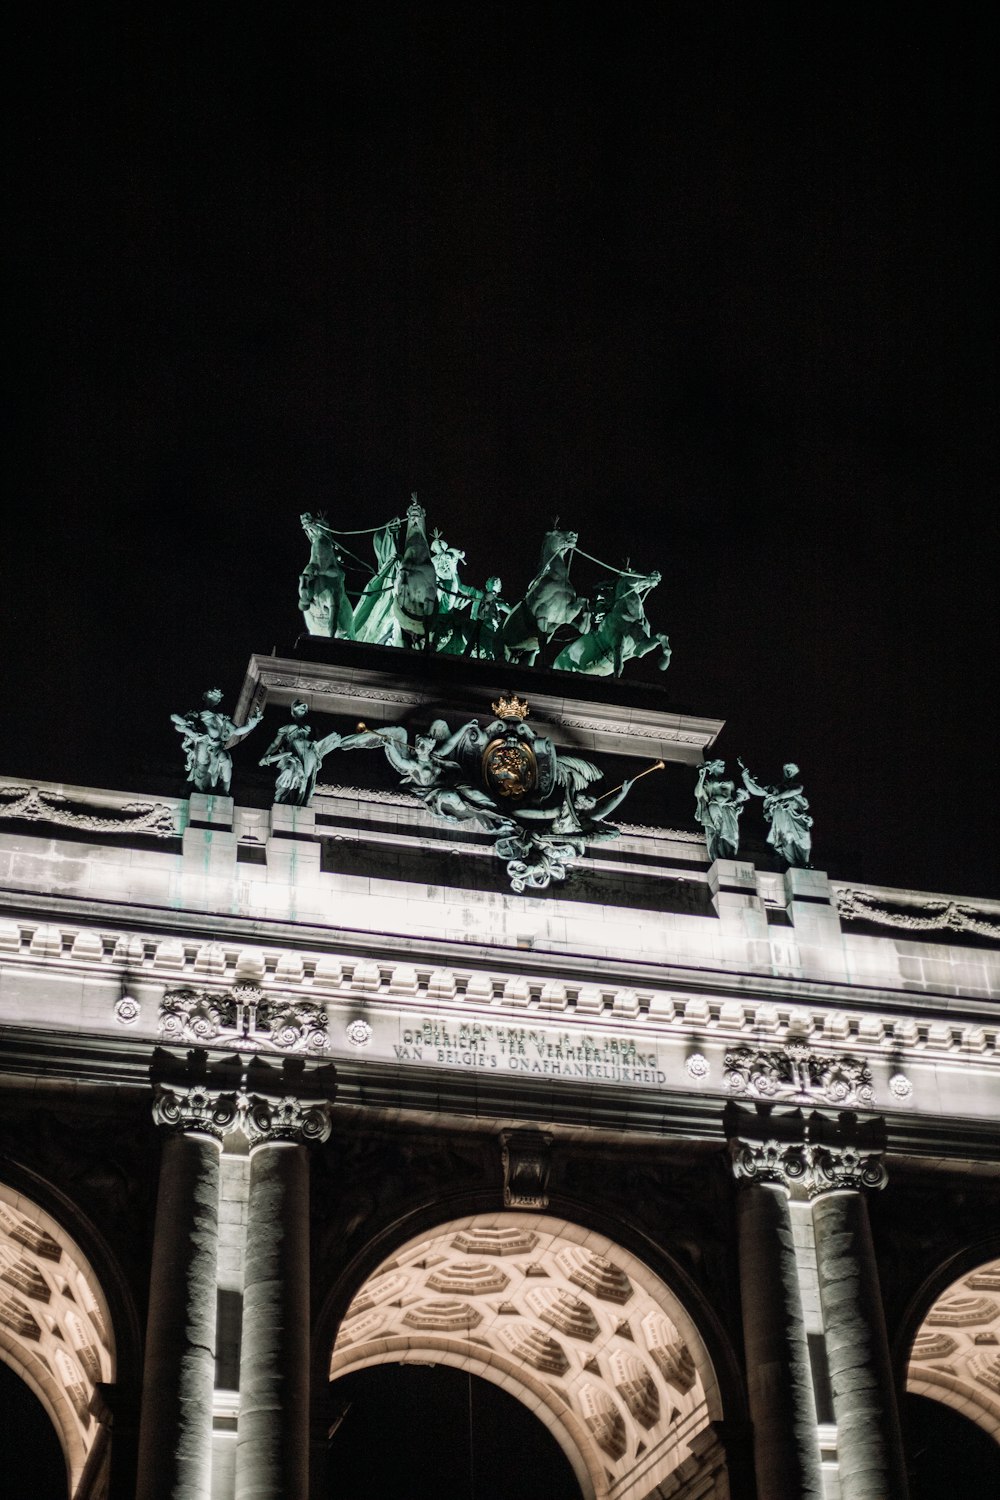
<point>931,916</point>
<point>32,804</point>
<point>244,1018</point>
<point>531,1051</point>
<point>795,1072</point>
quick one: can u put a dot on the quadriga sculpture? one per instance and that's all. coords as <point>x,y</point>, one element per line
<point>416,598</point>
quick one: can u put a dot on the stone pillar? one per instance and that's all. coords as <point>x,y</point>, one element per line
<point>175,1429</point>
<point>779,1376</point>
<point>869,1444</point>
<point>272,1443</point>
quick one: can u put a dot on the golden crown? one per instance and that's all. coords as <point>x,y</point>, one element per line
<point>511,708</point>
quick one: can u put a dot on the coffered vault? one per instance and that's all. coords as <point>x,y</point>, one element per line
<point>573,1325</point>
<point>55,1331</point>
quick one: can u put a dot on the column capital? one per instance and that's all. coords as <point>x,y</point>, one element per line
<point>197,1108</point>
<point>839,1168</point>
<point>264,1119</point>
<point>815,1169</point>
<point>778,1163</point>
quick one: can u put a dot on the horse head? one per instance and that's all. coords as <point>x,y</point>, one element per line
<point>316,527</point>
<point>557,544</point>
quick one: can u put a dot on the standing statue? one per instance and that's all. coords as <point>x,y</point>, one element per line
<point>488,614</point>
<point>452,627</point>
<point>374,619</point>
<point>718,806</point>
<point>787,812</point>
<point>208,738</point>
<point>322,590</point>
<point>298,758</point>
<point>551,601</point>
<point>619,631</point>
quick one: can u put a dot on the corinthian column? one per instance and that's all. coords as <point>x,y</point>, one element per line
<point>272,1444</point>
<point>779,1377</point>
<point>869,1446</point>
<point>175,1431</point>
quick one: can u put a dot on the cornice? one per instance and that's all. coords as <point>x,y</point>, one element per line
<point>751,989</point>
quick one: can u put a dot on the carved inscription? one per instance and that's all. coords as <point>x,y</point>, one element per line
<point>524,1049</point>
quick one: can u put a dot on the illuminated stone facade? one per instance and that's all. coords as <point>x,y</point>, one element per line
<point>696,1160</point>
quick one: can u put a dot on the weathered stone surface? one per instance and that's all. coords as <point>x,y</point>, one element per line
<point>175,1437</point>
<point>272,1449</point>
<point>786,1448</point>
<point>868,1438</point>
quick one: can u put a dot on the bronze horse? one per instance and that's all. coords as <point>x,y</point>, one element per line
<point>622,633</point>
<point>550,602</point>
<point>322,591</point>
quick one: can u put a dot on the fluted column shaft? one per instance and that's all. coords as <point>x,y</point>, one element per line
<point>869,1445</point>
<point>175,1433</point>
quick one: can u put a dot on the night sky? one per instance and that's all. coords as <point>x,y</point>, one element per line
<point>711,282</point>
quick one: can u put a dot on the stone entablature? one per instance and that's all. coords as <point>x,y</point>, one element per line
<point>538,1026</point>
<point>215,979</point>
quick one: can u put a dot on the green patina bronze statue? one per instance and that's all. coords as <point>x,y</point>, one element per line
<point>298,757</point>
<point>208,737</point>
<point>718,806</point>
<point>787,813</point>
<point>416,598</point>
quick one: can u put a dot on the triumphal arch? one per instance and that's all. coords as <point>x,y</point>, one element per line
<point>441,1041</point>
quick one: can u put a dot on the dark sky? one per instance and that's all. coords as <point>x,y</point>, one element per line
<point>712,282</point>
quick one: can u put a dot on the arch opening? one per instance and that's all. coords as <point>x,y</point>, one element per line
<point>451,1434</point>
<point>575,1327</point>
<point>955,1356</point>
<point>55,1328</point>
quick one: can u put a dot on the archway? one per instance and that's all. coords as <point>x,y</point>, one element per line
<point>573,1325</point>
<point>955,1356</point>
<point>55,1329</point>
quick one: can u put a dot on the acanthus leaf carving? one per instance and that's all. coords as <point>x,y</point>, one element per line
<point>196,1108</point>
<point>796,1072</point>
<point>286,1119</point>
<point>242,1018</point>
<point>815,1168</point>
